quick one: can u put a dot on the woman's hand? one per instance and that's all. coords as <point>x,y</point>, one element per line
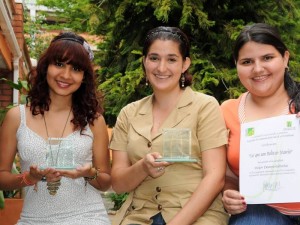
<point>49,174</point>
<point>233,202</point>
<point>153,168</point>
<point>81,171</point>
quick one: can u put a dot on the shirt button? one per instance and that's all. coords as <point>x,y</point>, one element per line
<point>158,189</point>
<point>149,144</point>
<point>159,207</point>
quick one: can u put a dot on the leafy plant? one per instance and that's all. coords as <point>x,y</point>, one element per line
<point>21,86</point>
<point>117,199</point>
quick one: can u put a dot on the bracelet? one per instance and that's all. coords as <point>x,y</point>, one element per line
<point>93,177</point>
<point>25,180</point>
<point>86,179</point>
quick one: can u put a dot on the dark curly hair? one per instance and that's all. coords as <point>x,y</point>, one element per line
<point>70,48</point>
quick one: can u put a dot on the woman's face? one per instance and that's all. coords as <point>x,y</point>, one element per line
<point>63,79</point>
<point>164,65</point>
<point>261,68</point>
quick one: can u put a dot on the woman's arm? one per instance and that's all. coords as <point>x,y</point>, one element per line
<point>8,150</point>
<point>101,156</point>
<point>214,167</point>
<point>233,201</point>
<point>231,180</point>
<point>126,177</point>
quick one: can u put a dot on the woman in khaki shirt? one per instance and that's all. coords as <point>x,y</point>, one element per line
<point>169,192</point>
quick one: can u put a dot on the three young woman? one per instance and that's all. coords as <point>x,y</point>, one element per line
<point>63,103</point>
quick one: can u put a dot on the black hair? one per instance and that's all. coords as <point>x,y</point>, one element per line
<point>265,34</point>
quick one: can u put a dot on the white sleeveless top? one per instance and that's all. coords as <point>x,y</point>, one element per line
<point>74,203</point>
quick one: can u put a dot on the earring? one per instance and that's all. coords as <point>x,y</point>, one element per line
<point>147,84</point>
<point>182,79</point>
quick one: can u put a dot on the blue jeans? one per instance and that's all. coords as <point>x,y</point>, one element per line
<point>158,219</point>
<point>263,215</point>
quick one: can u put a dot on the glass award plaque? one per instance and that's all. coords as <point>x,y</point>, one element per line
<point>176,145</point>
<point>59,154</point>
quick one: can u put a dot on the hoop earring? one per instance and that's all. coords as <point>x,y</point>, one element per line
<point>182,79</point>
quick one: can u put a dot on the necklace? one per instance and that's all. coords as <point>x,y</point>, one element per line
<point>59,138</point>
<point>242,111</point>
<point>54,186</point>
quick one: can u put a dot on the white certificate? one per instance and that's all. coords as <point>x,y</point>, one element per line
<point>270,160</point>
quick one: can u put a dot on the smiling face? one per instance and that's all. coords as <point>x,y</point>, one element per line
<point>63,79</point>
<point>164,65</point>
<point>261,68</point>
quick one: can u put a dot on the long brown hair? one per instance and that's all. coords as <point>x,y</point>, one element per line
<point>70,48</point>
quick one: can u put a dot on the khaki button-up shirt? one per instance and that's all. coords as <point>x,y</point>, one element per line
<point>167,194</point>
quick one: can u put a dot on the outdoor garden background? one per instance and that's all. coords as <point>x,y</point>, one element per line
<point>116,29</point>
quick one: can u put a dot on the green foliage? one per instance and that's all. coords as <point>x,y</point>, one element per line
<point>212,27</point>
<point>72,14</point>
<point>121,88</point>
<point>1,200</point>
<point>35,35</point>
<point>21,86</point>
<point>117,199</point>
<point>18,86</point>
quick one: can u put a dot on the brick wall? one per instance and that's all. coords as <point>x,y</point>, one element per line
<point>18,26</point>
<point>6,92</point>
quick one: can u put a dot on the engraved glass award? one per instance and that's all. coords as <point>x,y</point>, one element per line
<point>59,154</point>
<point>177,145</point>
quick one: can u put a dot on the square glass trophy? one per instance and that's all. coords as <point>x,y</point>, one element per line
<point>176,145</point>
<point>59,154</point>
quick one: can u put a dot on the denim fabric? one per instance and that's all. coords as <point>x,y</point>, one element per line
<point>263,215</point>
<point>295,219</point>
<point>158,219</point>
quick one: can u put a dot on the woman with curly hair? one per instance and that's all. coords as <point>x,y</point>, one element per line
<point>62,104</point>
